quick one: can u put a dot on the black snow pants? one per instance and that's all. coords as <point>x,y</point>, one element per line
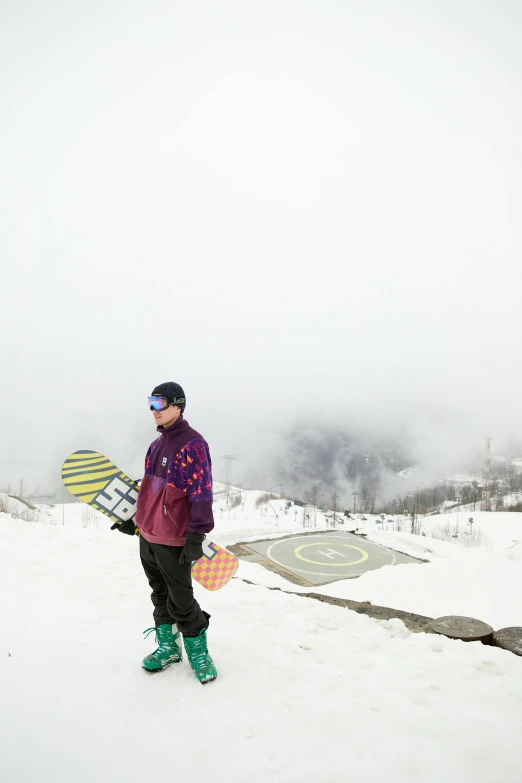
<point>172,593</point>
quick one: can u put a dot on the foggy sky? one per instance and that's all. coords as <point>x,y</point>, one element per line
<point>297,210</point>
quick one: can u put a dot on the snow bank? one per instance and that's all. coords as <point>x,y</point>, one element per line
<point>20,509</point>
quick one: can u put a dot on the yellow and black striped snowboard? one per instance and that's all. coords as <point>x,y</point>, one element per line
<point>95,480</point>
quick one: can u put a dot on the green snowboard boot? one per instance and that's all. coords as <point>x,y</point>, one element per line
<point>169,650</point>
<point>198,656</point>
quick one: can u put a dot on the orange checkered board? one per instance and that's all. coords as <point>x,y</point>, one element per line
<point>94,479</point>
<point>214,570</point>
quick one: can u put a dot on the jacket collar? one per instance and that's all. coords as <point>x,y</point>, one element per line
<point>174,429</point>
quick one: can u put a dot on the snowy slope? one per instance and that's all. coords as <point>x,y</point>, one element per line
<point>306,691</point>
<point>490,531</point>
<point>499,529</point>
<point>483,580</point>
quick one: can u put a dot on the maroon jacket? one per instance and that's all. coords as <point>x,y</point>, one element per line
<point>175,496</point>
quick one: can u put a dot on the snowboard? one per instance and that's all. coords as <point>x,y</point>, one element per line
<point>94,479</point>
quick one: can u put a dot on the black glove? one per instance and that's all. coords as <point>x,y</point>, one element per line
<point>128,527</point>
<point>193,549</point>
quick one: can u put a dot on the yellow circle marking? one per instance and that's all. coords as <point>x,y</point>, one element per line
<point>364,555</point>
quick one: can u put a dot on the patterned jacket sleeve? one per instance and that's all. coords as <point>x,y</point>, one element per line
<point>199,487</point>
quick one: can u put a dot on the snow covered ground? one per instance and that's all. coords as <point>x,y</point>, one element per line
<point>472,585</point>
<point>476,576</point>
<point>498,530</point>
<point>306,691</point>
<point>455,580</point>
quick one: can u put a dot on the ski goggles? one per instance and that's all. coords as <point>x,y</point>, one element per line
<point>159,403</point>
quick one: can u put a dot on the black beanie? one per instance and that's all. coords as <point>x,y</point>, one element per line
<point>173,392</point>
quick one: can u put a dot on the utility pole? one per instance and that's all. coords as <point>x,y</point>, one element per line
<point>486,485</point>
<point>334,498</point>
<point>458,498</point>
<point>354,500</point>
<point>316,496</point>
<point>414,511</point>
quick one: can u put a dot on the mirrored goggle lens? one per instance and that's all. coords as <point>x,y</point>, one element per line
<point>158,403</point>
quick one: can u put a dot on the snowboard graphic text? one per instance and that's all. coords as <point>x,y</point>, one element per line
<point>119,499</point>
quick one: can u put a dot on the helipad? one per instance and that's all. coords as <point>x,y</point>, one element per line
<point>323,557</point>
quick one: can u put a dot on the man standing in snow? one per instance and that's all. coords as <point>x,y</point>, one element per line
<point>174,512</point>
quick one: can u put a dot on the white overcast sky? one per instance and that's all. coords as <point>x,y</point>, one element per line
<point>294,209</point>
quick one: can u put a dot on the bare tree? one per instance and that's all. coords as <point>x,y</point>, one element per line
<point>21,488</point>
